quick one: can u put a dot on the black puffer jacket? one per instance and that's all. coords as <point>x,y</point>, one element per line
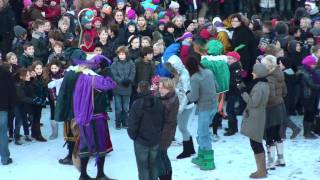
<point>311,88</point>
<point>235,78</point>
<point>146,119</point>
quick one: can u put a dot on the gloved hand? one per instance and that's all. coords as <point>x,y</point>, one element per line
<point>241,87</point>
<point>126,83</point>
<point>37,101</point>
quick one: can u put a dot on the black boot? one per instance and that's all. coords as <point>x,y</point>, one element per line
<point>307,131</point>
<point>84,163</point>
<point>188,149</point>
<point>166,177</point>
<point>100,174</point>
<point>295,129</point>
<point>316,127</point>
<point>68,159</point>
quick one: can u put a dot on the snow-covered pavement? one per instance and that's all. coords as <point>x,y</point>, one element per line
<point>233,157</point>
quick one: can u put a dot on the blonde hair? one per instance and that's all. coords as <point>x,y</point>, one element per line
<point>176,18</point>
<point>64,21</point>
<point>159,45</point>
<point>10,55</point>
<point>168,83</point>
<point>270,62</point>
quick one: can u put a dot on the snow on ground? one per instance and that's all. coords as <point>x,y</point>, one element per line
<point>233,157</point>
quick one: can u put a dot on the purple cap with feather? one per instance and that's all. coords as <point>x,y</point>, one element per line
<point>93,63</point>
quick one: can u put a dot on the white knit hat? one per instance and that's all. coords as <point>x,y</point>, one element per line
<point>174,5</point>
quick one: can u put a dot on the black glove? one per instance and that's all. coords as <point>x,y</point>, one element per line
<point>37,101</point>
<point>242,87</point>
<point>126,83</point>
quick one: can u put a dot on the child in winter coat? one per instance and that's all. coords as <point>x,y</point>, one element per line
<point>25,100</point>
<point>40,92</point>
<point>26,59</point>
<point>53,76</point>
<point>57,52</point>
<point>123,72</point>
<point>64,25</point>
<point>19,40</point>
<point>186,39</point>
<point>233,94</point>
<point>311,89</point>
<point>134,48</point>
<point>12,59</point>
<point>41,50</point>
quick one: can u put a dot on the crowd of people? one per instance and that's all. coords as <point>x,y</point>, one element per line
<point>155,64</point>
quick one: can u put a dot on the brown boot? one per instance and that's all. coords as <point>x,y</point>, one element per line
<point>261,166</point>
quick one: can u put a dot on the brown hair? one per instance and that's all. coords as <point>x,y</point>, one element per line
<point>167,83</point>
<point>58,43</point>
<point>122,49</point>
<point>37,23</point>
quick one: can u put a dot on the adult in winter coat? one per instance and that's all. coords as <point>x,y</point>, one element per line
<point>243,35</point>
<point>276,111</point>
<point>146,119</point>
<point>7,100</point>
<point>310,93</point>
<point>291,80</point>
<point>254,118</point>
<point>182,77</point>
<point>203,91</point>
<point>171,106</point>
<point>123,72</point>
<point>8,21</point>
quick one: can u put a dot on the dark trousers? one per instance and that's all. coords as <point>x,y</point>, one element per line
<point>10,122</point>
<point>36,117</point>
<point>256,147</point>
<point>273,135</point>
<point>232,117</point>
<point>146,158</point>
<point>52,108</point>
<point>21,119</point>
<point>310,109</point>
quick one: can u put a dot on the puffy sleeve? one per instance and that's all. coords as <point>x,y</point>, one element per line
<point>103,83</point>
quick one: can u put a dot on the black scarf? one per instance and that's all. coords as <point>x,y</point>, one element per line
<point>253,83</point>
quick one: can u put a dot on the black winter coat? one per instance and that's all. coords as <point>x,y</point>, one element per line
<point>235,78</point>
<point>41,50</point>
<point>7,21</point>
<point>243,35</point>
<point>146,119</point>
<point>25,95</point>
<point>7,89</point>
<point>291,80</point>
<point>311,88</point>
<point>168,39</point>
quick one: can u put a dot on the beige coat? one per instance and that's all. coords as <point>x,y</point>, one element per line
<point>254,117</point>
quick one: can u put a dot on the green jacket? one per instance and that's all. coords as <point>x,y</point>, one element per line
<point>25,61</point>
<point>220,69</point>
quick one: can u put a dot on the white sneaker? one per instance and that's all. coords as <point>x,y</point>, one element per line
<point>216,138</point>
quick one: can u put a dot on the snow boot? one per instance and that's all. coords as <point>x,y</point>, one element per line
<point>261,167</point>
<point>280,160</point>
<point>208,161</point>
<point>166,177</point>
<point>188,149</point>
<point>295,129</point>
<point>68,159</point>
<point>271,154</point>
<point>54,127</point>
<point>197,160</point>
<point>307,131</point>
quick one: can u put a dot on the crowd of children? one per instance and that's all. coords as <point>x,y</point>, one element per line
<point>263,63</point>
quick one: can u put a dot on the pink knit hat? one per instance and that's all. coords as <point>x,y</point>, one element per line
<point>309,61</point>
<point>234,54</point>
<point>131,14</point>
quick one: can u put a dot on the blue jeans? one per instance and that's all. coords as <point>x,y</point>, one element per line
<point>4,150</point>
<point>146,158</point>
<point>204,138</point>
<point>121,104</point>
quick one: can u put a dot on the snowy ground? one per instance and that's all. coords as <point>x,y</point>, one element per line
<point>233,158</point>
